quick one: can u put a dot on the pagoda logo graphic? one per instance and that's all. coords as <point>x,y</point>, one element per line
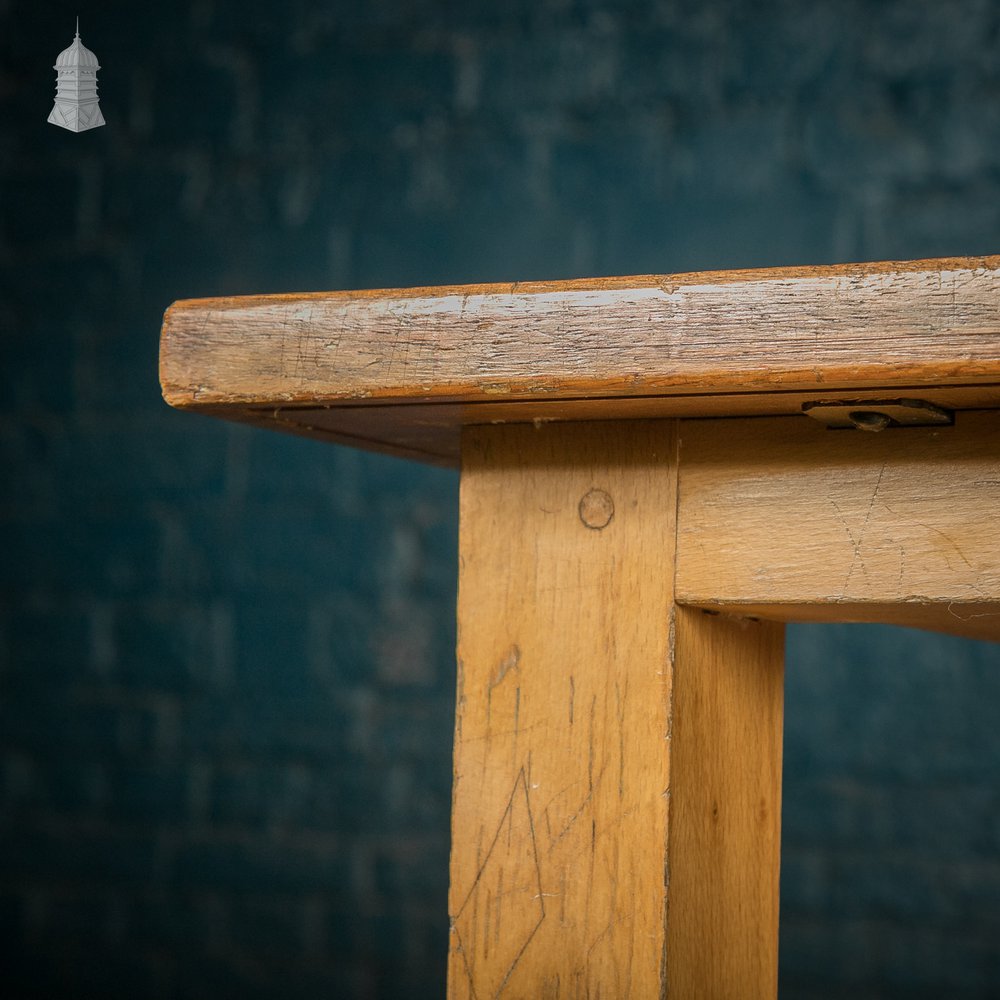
<point>76,106</point>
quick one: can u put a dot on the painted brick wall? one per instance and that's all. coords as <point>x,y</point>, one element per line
<point>226,656</point>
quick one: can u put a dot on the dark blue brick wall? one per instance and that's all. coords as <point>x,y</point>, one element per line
<point>226,656</point>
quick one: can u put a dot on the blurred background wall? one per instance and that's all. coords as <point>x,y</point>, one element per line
<point>226,656</point>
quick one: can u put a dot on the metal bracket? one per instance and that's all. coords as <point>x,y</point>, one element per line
<point>877,414</point>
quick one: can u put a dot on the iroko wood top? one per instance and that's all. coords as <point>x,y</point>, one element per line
<point>402,370</point>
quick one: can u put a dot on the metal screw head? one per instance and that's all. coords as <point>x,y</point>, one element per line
<point>869,420</point>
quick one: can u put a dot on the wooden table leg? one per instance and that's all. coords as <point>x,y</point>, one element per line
<point>616,813</point>
<point>618,733</point>
<point>725,820</point>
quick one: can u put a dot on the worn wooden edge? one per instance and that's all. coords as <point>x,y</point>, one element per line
<point>872,325</point>
<point>732,276</point>
<point>968,619</point>
<point>430,432</point>
<point>390,435</point>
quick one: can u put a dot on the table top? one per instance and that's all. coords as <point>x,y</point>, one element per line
<point>403,370</point>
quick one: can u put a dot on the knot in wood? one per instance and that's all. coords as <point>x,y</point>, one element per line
<point>596,509</point>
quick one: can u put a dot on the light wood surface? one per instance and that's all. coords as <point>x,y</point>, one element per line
<point>725,807</point>
<point>586,718</point>
<point>710,341</point>
<point>642,505</point>
<point>781,518</point>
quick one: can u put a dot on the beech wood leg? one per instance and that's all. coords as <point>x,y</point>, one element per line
<point>616,808</point>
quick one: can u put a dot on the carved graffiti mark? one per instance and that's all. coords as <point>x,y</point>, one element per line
<point>858,541</point>
<point>588,798</point>
<point>508,662</point>
<point>621,696</point>
<point>590,746</point>
<point>510,869</point>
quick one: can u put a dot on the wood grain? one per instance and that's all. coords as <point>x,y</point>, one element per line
<point>781,518</point>
<point>573,700</point>
<point>879,326</point>
<point>561,765</point>
<point>616,810</point>
<point>431,432</point>
<point>725,808</point>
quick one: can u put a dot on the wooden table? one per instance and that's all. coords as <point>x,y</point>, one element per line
<point>647,496</point>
